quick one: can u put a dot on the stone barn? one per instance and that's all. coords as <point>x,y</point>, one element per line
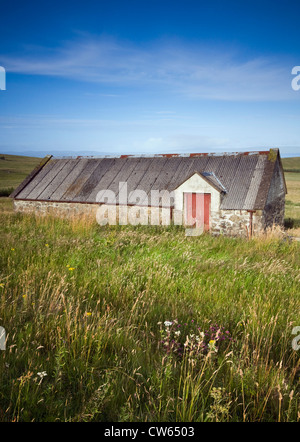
<point>230,193</point>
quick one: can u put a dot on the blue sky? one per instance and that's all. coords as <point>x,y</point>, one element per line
<point>99,77</point>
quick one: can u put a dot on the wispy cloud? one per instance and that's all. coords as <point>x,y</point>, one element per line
<point>195,71</point>
<point>184,143</point>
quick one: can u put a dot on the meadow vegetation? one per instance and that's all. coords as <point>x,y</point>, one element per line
<point>292,208</point>
<point>92,316</point>
<point>85,307</point>
<point>13,170</point>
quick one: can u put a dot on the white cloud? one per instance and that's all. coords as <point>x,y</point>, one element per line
<point>195,71</point>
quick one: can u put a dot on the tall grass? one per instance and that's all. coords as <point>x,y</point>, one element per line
<point>82,304</point>
<point>6,191</point>
<point>292,208</point>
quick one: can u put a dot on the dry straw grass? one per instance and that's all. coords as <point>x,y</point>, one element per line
<point>272,233</point>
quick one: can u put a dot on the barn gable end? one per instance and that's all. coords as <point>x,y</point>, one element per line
<point>274,209</point>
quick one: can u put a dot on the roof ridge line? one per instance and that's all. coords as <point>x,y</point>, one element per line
<point>166,155</point>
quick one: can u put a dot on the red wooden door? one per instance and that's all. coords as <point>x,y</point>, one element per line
<point>197,209</point>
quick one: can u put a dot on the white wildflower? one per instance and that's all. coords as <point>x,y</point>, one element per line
<point>168,323</point>
<point>177,333</point>
<point>42,374</point>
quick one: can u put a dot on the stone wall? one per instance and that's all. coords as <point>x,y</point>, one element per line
<point>115,214</point>
<point>226,222</point>
<point>236,223</point>
<point>56,209</point>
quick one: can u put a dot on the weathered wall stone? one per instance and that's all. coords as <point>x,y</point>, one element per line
<point>115,214</point>
<point>54,208</point>
<point>226,222</point>
<point>236,223</point>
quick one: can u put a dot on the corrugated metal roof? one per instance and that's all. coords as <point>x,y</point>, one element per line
<point>243,178</point>
<point>214,180</point>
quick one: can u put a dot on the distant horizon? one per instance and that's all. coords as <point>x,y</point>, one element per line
<point>75,154</point>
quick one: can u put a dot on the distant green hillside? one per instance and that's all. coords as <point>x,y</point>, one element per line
<point>13,170</point>
<point>291,164</point>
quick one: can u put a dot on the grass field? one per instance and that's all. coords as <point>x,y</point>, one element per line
<point>13,170</point>
<point>291,164</point>
<point>292,208</point>
<point>85,310</point>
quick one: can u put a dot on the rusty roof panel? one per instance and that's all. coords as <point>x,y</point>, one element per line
<point>168,155</point>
